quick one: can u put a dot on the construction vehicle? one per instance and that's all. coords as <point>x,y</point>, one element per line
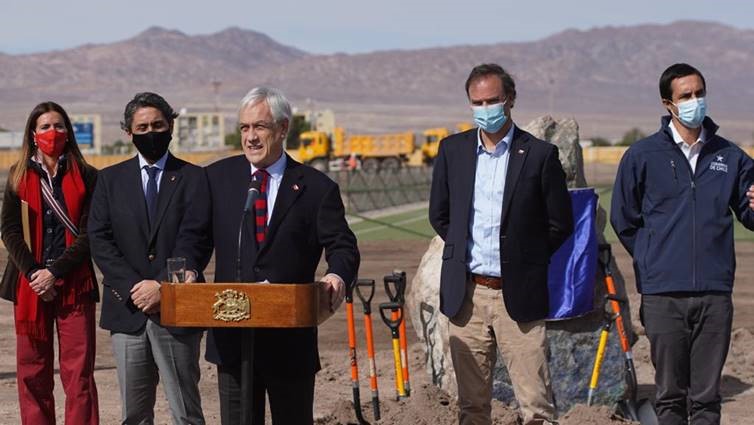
<point>373,151</point>
<point>432,138</point>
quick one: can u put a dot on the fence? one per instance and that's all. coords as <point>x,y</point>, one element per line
<point>371,190</point>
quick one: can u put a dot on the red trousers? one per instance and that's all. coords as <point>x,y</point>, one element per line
<point>35,373</point>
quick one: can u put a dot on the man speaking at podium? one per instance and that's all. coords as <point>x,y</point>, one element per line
<point>298,212</point>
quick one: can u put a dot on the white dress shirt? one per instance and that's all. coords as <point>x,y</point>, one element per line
<point>690,151</point>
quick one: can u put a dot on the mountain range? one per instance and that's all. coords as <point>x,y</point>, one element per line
<point>606,77</point>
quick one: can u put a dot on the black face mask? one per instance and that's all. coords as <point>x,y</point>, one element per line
<point>153,145</point>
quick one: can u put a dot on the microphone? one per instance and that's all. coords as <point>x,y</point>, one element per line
<point>251,196</point>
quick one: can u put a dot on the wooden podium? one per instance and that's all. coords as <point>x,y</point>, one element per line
<point>234,305</point>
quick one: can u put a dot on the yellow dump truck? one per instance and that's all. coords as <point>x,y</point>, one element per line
<point>432,139</point>
<point>372,151</point>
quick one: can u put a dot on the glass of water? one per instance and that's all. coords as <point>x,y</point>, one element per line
<point>176,270</point>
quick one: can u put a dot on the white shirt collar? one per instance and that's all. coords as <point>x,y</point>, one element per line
<point>160,163</point>
<point>679,140</point>
<point>506,140</point>
<point>37,157</point>
<point>276,169</point>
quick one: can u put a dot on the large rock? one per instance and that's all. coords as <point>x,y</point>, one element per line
<point>572,342</point>
<point>565,135</point>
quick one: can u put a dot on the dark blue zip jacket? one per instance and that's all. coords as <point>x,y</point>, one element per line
<point>678,224</point>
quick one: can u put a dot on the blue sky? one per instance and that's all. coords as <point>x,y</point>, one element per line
<point>350,26</point>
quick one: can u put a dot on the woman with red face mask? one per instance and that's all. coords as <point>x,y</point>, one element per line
<point>49,275</point>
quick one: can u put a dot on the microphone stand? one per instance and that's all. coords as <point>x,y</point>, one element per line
<point>241,226</point>
<point>247,334</point>
<point>251,197</point>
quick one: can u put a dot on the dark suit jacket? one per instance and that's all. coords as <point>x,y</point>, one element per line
<point>128,251</point>
<point>536,220</point>
<point>19,255</point>
<point>308,216</point>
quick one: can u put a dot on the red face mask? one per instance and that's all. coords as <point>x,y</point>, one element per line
<point>51,142</point>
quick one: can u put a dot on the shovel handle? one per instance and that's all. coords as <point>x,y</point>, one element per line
<point>399,383</point>
<point>615,305</point>
<point>392,315</point>
<point>354,363</point>
<point>398,280</point>
<point>365,300</point>
<point>598,361</point>
<point>611,297</point>
<point>404,355</point>
<point>392,323</point>
<point>349,292</point>
<point>605,257</point>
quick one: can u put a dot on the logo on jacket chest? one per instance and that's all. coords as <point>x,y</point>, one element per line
<point>718,164</point>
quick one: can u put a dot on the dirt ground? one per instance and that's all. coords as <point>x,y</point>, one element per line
<point>427,405</point>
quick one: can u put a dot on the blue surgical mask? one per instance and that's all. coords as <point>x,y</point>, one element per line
<point>691,112</point>
<point>490,118</point>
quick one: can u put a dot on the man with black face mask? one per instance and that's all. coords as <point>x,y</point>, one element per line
<point>142,213</point>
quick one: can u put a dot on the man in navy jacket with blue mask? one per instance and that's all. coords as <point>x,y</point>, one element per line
<point>673,204</point>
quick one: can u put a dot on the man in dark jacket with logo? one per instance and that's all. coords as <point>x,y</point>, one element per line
<point>674,198</point>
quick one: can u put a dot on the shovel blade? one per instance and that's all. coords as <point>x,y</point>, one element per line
<point>628,410</point>
<point>642,412</point>
<point>647,415</point>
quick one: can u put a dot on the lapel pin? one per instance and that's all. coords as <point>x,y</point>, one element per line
<point>520,151</point>
<point>172,178</point>
<point>295,187</point>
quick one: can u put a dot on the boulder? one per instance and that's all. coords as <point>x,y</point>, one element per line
<point>565,135</point>
<point>572,342</point>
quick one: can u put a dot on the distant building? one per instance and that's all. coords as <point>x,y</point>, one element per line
<point>11,139</point>
<point>323,120</point>
<point>88,131</point>
<point>198,131</point>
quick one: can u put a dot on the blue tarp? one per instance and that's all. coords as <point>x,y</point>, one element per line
<point>573,266</point>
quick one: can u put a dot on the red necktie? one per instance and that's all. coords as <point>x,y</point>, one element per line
<point>260,206</point>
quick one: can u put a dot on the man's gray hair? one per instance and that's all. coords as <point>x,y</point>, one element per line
<point>280,108</point>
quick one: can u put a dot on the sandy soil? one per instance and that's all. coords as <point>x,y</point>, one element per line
<point>427,404</point>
